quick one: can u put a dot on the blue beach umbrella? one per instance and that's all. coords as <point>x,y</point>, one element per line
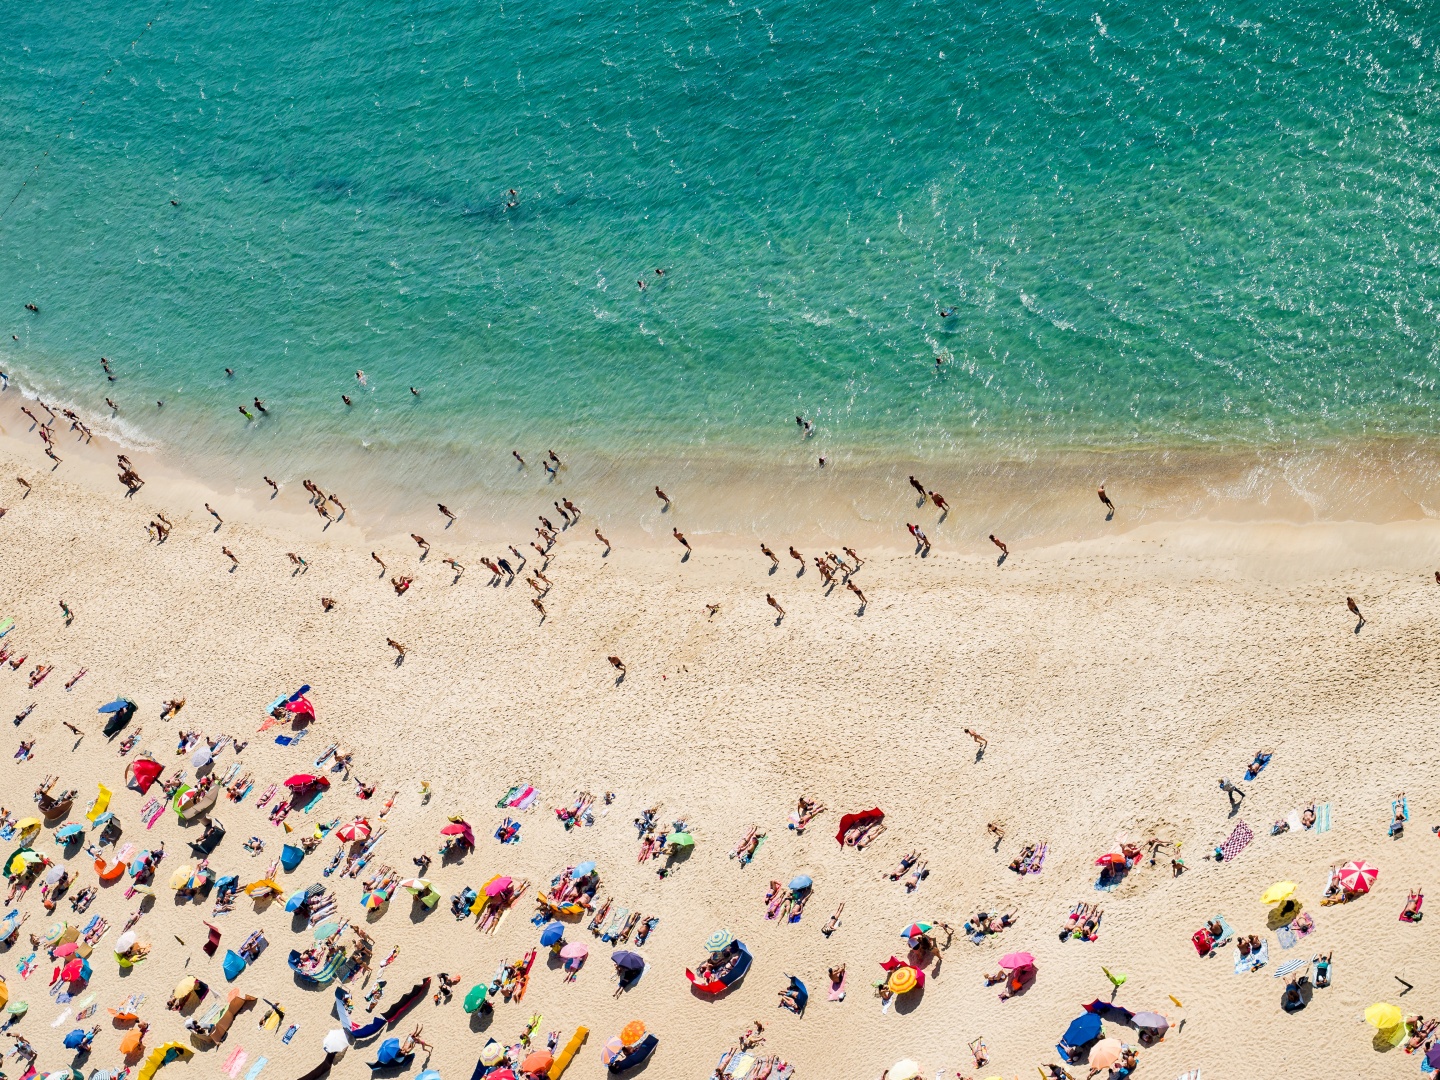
<point>113,706</point>
<point>552,933</point>
<point>584,869</point>
<point>801,882</point>
<point>74,1039</point>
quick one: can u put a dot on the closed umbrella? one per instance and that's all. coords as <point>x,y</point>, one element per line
<point>1281,890</point>
<point>575,950</point>
<point>475,998</point>
<point>1358,876</point>
<point>629,961</point>
<point>335,1041</point>
<point>719,941</point>
<point>632,1032</point>
<point>537,1063</point>
<point>1011,961</point>
<point>1105,1053</point>
<point>1383,1016</point>
<point>904,1070</point>
<point>552,934</point>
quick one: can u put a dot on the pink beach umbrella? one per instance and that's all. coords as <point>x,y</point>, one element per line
<point>575,950</point>
<point>359,829</point>
<point>1358,876</point>
<point>1011,961</point>
<point>498,886</point>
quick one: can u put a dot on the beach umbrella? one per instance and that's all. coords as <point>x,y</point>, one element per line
<point>18,1008</point>
<point>914,930</point>
<point>56,929</point>
<point>389,1052</point>
<point>1105,1053</point>
<point>1358,876</point>
<point>373,900</point>
<point>1082,1029</point>
<point>429,1074</point>
<point>185,987</point>
<point>491,1053</point>
<point>632,1032</point>
<point>326,929</point>
<point>181,877</point>
<point>1114,858</point>
<point>902,980</point>
<point>143,890</point>
<point>719,941</point>
<point>201,757</point>
<point>585,869</point>
<point>552,934</point>
<point>72,1042</point>
<point>54,874</point>
<point>359,829</point>
<point>77,970</point>
<point>501,1074</point>
<point>1432,1056</point>
<point>628,961</point>
<point>537,1063</point>
<point>66,949</point>
<point>475,998</point>
<point>1281,890</point>
<point>416,884</point>
<point>125,942</point>
<point>575,950</point>
<point>455,828</point>
<point>498,886</point>
<point>800,883</point>
<point>335,1041</point>
<point>612,1049</point>
<point>130,1041</point>
<point>680,839</point>
<point>1383,1016</point>
<point>904,1070</point>
<point>1151,1022</point>
<point>297,899</point>
<point>113,706</point>
<point>1013,960</point>
<point>302,780</point>
<point>68,832</point>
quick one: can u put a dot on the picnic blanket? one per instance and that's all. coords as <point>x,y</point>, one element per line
<point>1254,960</point>
<point>1239,840</point>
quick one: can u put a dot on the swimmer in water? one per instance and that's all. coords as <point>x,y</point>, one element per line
<point>516,455</point>
<point>345,398</point>
<point>414,391</point>
<point>360,377</point>
<point>113,406</point>
<point>229,372</point>
<point>261,405</point>
<point>945,313</point>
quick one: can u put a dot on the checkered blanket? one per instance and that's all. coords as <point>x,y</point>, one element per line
<point>1238,842</point>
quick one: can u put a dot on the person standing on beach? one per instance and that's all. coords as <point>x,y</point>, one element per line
<point>1354,610</point>
<point>999,544</point>
<point>774,562</point>
<point>980,739</point>
<point>662,496</point>
<point>424,545</point>
<point>776,605</point>
<point>381,561</point>
<point>919,487</point>
<point>400,649</point>
<point>538,606</point>
<point>297,561</point>
<point>1105,499</point>
<point>66,613</point>
<point>939,501</point>
<point>447,512</point>
<point>454,566</point>
<point>213,514</point>
<point>798,558</point>
<point>26,485</point>
<point>617,664</point>
<point>229,555</point>
<point>856,590</point>
<point>273,485</point>
<point>601,537</point>
<point>681,537</point>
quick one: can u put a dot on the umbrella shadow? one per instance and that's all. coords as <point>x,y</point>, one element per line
<point>908,1003</point>
<point>481,1018</point>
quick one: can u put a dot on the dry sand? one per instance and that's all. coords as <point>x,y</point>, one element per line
<point>1117,679</point>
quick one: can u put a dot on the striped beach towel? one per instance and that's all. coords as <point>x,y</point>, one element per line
<point>1238,842</point>
<point>1322,817</point>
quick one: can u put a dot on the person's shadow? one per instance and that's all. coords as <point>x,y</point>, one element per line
<point>1360,625</point>
<point>1111,515</point>
<point>1001,560</point>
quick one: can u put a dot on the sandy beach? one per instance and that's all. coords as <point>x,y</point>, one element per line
<point>1117,680</point>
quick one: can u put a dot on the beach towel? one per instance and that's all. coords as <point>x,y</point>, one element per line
<point>1406,917</point>
<point>1293,820</point>
<point>234,1063</point>
<point>1286,937</point>
<point>1239,840</point>
<point>837,990</point>
<point>255,1069</point>
<point>1257,766</point>
<point>1193,1074</point>
<point>1229,931</point>
<point>1303,925</point>
<point>1322,817</point>
<point>1254,960</point>
<point>1400,807</point>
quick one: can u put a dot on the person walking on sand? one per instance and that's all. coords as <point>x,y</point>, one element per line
<point>381,561</point>
<point>423,544</point>
<point>66,613</point>
<point>798,558</point>
<point>681,537</point>
<point>273,485</point>
<point>919,487</point>
<point>999,544</point>
<point>26,485</point>
<point>516,455</point>
<point>327,603</point>
<point>297,561</point>
<point>774,562</point>
<point>775,604</point>
<point>617,664</point>
<point>939,501</point>
<point>574,510</point>
<point>859,562</point>
<point>454,565</point>
<point>662,496</point>
<point>856,590</point>
<point>229,555</point>
<point>446,511</point>
<point>219,520</point>
<point>1105,499</point>
<point>1235,795</point>
<point>983,742</point>
<point>601,537</point>
<point>1354,610</point>
<point>400,649</point>
<point>538,606</point>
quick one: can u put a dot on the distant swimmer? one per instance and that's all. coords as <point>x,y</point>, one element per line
<point>516,455</point>
<point>32,307</point>
<point>346,398</point>
<point>247,413</point>
<point>945,313</point>
<point>659,272</point>
<point>174,202</point>
<point>513,199</point>
<point>229,372</point>
<point>414,391</point>
<point>113,406</point>
<point>360,377</point>
<point>260,405</point>
<point>159,404</point>
<point>807,426</point>
<point>641,283</point>
<point>554,457</point>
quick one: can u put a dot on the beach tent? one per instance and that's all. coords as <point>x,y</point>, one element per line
<point>730,978</point>
<point>864,817</point>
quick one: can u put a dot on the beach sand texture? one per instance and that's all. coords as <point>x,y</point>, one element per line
<point>1117,681</point>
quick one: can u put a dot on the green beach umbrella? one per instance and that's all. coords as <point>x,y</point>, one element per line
<point>680,839</point>
<point>476,997</point>
<point>719,941</point>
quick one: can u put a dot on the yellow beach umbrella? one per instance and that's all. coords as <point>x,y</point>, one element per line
<point>27,825</point>
<point>1281,890</point>
<point>184,988</point>
<point>902,980</point>
<point>181,877</point>
<point>905,1070</point>
<point>1383,1016</point>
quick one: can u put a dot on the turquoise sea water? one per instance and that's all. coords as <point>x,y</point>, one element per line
<point>1156,224</point>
